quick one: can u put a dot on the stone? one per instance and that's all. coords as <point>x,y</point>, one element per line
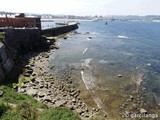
<point>1,93</point>
<point>79,111</point>
<point>41,86</point>
<point>70,107</point>
<point>27,75</point>
<point>93,109</point>
<point>21,90</point>
<point>60,103</point>
<point>119,75</point>
<point>143,111</point>
<point>32,92</point>
<point>47,98</point>
<point>30,71</point>
<point>41,94</point>
<point>74,100</point>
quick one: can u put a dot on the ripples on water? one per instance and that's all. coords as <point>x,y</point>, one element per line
<point>131,49</point>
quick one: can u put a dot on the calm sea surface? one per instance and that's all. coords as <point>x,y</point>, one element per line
<point>102,52</point>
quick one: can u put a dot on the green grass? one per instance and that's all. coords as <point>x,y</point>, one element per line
<point>22,111</point>
<point>15,106</point>
<point>97,118</point>
<point>58,114</point>
<point>10,96</point>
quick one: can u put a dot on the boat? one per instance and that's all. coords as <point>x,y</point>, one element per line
<point>106,23</point>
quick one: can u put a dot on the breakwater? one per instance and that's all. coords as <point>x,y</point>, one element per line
<point>21,41</point>
<point>59,30</point>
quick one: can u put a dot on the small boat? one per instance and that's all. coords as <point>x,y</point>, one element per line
<point>106,23</point>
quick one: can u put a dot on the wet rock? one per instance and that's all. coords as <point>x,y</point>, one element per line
<point>51,67</point>
<point>119,75</point>
<point>46,56</point>
<point>65,37</point>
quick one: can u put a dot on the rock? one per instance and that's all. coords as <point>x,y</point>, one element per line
<point>29,71</point>
<point>47,98</point>
<point>32,92</point>
<point>65,37</point>
<point>119,75</point>
<point>33,74</point>
<point>27,74</point>
<point>79,111</point>
<point>93,109</point>
<point>1,93</point>
<point>70,107</point>
<point>21,90</point>
<point>74,100</point>
<point>46,56</point>
<point>143,111</point>
<point>51,67</point>
<point>60,103</point>
<point>41,94</point>
<point>41,86</point>
<point>73,93</point>
<point>56,46</point>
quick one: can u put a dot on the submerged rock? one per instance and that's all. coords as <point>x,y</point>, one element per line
<point>119,75</point>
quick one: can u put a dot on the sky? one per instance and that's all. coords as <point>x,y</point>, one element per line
<point>83,7</point>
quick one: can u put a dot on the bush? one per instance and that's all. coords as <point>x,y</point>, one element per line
<point>58,114</point>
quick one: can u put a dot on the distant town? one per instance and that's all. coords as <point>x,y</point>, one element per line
<point>48,17</point>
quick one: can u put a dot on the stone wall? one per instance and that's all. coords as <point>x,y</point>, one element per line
<point>17,42</point>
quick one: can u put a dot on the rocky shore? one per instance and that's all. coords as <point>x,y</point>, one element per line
<point>49,89</point>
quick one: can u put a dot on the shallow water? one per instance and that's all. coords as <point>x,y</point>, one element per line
<point>131,49</point>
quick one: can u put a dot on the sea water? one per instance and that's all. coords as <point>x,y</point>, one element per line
<point>113,59</point>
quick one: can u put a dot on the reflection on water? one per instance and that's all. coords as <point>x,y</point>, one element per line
<point>100,53</point>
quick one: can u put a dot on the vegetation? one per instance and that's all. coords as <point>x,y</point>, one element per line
<point>97,118</point>
<point>10,96</point>
<point>1,35</point>
<point>15,106</point>
<point>58,114</point>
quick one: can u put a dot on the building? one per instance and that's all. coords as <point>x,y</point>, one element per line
<point>20,21</point>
